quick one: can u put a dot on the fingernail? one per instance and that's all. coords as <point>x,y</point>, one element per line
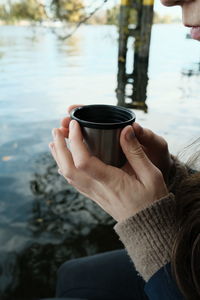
<point>59,171</point>
<point>54,133</point>
<point>71,124</point>
<point>130,134</point>
<point>51,145</point>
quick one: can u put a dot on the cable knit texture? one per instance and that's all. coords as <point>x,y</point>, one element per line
<point>148,235</point>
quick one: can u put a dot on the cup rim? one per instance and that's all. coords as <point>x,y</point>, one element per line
<point>97,125</point>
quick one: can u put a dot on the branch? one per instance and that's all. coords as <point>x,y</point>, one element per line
<point>44,9</point>
<point>85,19</point>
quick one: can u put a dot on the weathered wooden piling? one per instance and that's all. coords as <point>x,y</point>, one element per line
<point>141,31</point>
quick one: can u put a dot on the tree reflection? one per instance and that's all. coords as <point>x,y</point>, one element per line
<point>64,225</point>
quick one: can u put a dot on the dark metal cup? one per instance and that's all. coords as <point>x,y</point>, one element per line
<point>101,127</point>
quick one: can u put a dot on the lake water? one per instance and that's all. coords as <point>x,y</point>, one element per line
<point>40,76</point>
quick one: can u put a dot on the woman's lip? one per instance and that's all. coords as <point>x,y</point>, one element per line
<point>195,32</point>
<point>191,26</point>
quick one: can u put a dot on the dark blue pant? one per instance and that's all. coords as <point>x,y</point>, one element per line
<point>106,276</point>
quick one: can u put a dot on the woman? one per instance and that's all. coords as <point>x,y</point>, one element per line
<point>156,203</point>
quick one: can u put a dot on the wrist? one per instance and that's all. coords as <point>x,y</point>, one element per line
<point>148,236</point>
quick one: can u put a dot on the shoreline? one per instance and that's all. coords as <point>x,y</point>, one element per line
<point>27,23</point>
<point>56,24</point>
<point>19,23</point>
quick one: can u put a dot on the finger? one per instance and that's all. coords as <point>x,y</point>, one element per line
<point>53,152</point>
<point>135,154</point>
<point>128,169</point>
<point>65,131</point>
<point>83,160</point>
<point>138,129</point>
<point>65,122</point>
<point>66,166</point>
<point>146,137</point>
<point>73,106</point>
<point>63,155</point>
<point>65,126</point>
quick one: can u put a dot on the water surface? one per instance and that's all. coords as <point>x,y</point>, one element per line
<point>40,76</point>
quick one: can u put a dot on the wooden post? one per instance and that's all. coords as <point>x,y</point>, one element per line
<point>142,33</point>
<point>123,38</point>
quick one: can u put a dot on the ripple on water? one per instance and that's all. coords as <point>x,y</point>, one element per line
<point>41,217</point>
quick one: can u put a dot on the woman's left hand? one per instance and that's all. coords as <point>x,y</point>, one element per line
<point>120,192</point>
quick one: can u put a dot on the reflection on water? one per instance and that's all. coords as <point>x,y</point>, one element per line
<point>193,70</point>
<point>63,225</point>
<point>44,221</point>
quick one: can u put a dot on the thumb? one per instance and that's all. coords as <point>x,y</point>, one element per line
<point>135,154</point>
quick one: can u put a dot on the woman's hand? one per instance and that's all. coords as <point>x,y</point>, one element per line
<point>120,192</point>
<point>65,122</point>
<point>156,149</point>
<point>154,146</point>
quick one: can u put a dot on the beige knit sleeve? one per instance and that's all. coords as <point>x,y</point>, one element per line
<point>147,236</point>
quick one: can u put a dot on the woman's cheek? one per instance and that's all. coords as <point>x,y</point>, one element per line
<point>191,13</point>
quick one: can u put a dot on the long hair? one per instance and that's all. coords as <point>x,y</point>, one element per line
<point>186,248</point>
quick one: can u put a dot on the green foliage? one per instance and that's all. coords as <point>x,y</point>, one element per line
<point>72,11</point>
<point>112,15</point>
<point>3,12</point>
<point>69,10</point>
<point>27,9</point>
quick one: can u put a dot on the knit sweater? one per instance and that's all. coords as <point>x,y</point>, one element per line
<point>147,236</point>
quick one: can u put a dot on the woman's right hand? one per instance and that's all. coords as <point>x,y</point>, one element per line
<point>156,149</point>
<point>155,146</point>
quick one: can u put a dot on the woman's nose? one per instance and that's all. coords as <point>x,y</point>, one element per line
<point>174,2</point>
